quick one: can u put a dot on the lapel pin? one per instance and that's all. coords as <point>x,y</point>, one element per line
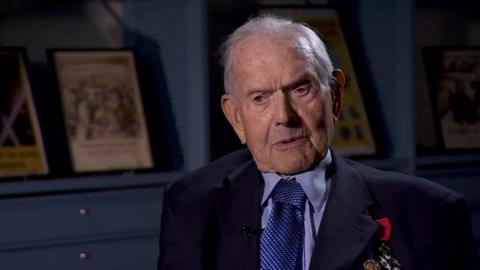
<point>248,232</point>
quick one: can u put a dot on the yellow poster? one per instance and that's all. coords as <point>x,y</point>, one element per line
<point>21,145</point>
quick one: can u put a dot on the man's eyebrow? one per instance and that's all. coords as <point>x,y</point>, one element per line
<point>303,79</point>
<point>258,90</point>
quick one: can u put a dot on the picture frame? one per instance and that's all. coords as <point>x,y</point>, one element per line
<point>22,150</point>
<point>103,110</point>
<point>453,78</point>
<point>353,133</point>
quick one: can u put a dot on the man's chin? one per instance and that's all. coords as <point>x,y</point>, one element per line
<point>292,161</point>
<point>289,166</point>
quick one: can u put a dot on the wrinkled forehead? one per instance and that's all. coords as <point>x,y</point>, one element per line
<point>256,51</point>
<point>263,58</point>
<point>258,45</point>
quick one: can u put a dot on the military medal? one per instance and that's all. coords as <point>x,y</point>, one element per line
<point>371,264</point>
<point>385,259</point>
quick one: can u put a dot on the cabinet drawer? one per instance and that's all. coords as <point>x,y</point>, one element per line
<point>138,254</point>
<point>78,217</point>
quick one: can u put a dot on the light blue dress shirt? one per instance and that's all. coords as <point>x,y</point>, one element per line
<point>317,188</point>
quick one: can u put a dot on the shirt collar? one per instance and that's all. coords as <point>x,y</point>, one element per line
<point>313,182</point>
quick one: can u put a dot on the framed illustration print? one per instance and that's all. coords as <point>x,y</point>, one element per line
<point>103,109</point>
<point>453,77</point>
<point>21,144</point>
<point>353,134</point>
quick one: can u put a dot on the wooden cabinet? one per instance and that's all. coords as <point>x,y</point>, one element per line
<point>116,254</point>
<point>105,222</point>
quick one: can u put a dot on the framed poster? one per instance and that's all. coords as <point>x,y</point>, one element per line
<point>21,145</point>
<point>353,135</point>
<point>453,77</point>
<point>103,109</point>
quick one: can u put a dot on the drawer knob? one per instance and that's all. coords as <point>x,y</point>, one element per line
<point>83,211</point>
<point>83,255</point>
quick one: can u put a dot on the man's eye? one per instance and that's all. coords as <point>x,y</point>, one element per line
<point>260,98</point>
<point>301,91</point>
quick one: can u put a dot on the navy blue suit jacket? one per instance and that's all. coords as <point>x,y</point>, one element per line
<point>211,219</point>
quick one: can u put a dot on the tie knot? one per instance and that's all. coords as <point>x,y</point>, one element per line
<point>289,192</point>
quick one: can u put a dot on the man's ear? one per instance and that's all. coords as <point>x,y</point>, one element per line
<point>230,109</point>
<point>337,92</point>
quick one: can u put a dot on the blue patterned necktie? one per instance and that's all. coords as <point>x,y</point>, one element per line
<point>281,242</point>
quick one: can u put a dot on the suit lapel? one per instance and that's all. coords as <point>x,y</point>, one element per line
<point>346,229</point>
<point>238,203</point>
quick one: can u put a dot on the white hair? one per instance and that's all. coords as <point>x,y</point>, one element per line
<point>299,36</point>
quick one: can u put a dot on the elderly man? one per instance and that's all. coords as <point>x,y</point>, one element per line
<point>290,202</point>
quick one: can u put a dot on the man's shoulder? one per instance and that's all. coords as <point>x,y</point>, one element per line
<point>396,185</point>
<point>424,215</point>
<point>211,175</point>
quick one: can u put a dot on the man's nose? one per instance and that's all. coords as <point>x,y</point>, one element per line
<point>284,112</point>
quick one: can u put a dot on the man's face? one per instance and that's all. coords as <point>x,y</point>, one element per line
<point>278,108</point>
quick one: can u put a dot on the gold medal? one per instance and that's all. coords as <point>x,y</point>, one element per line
<point>371,264</point>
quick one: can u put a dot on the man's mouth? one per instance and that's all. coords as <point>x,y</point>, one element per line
<point>290,142</point>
